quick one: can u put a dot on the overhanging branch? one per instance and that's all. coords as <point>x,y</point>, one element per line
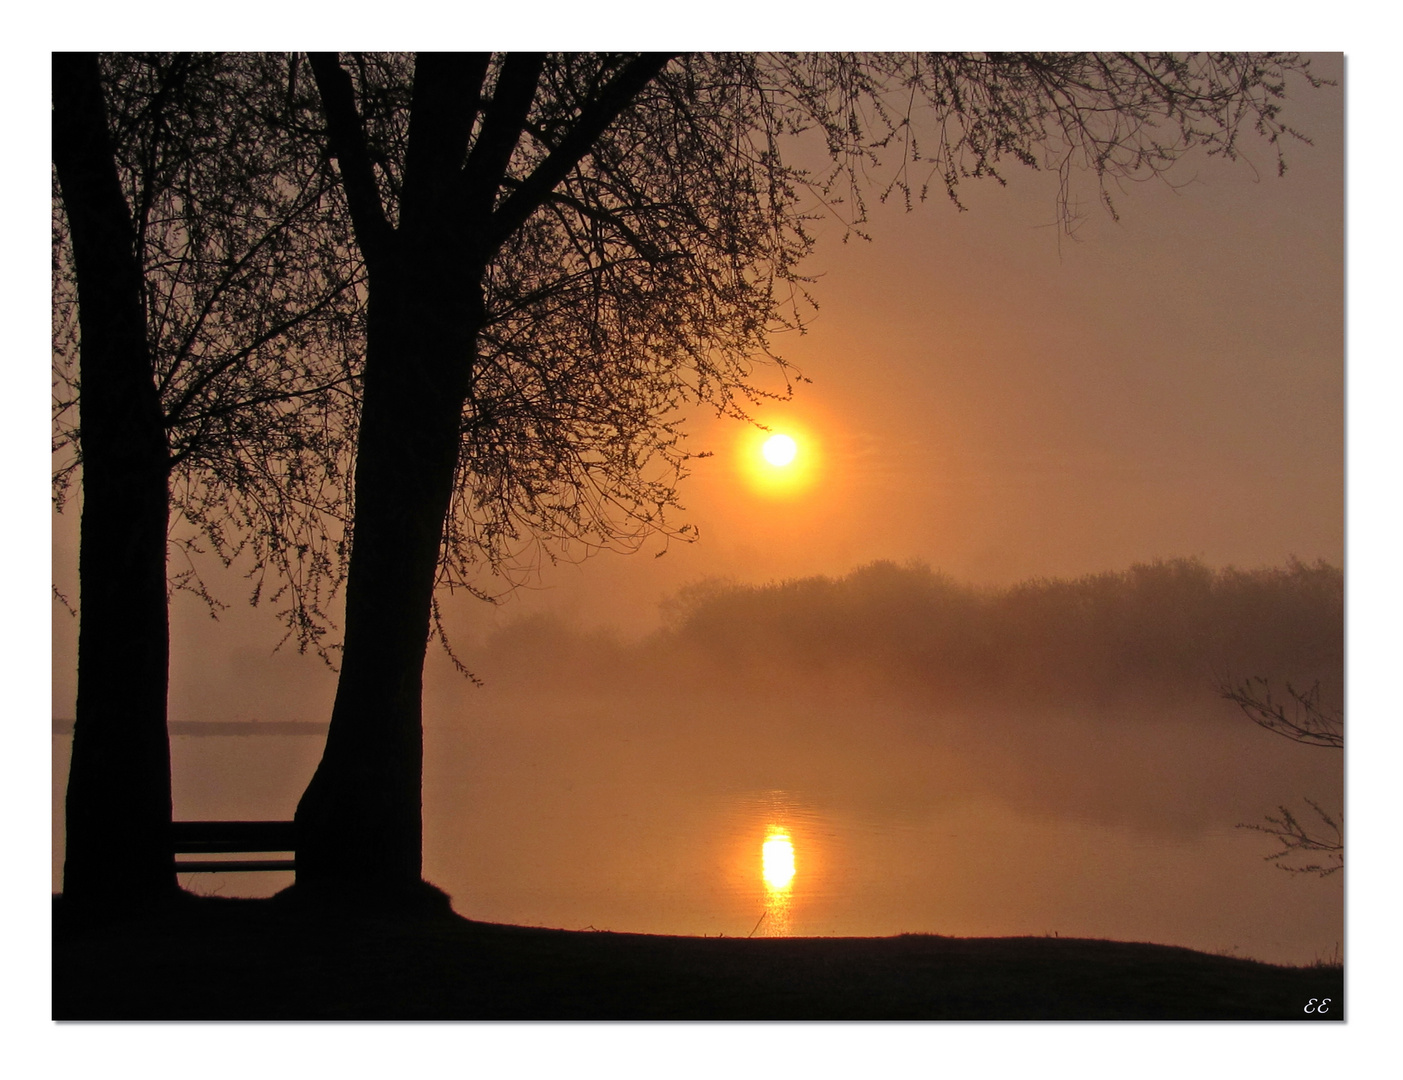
<point>616,96</point>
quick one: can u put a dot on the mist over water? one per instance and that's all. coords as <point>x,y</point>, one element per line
<point>1052,758</point>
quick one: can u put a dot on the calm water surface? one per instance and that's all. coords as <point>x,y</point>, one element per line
<point>592,816</point>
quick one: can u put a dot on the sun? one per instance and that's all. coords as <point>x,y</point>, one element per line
<point>783,460</point>
<point>780,450</point>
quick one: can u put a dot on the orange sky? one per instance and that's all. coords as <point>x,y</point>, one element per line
<point>1002,403</point>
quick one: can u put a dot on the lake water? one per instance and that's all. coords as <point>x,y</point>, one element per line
<point>655,817</point>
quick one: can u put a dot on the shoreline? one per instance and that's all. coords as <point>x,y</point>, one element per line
<point>218,959</point>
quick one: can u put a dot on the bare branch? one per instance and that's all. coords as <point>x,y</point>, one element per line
<point>596,117</point>
<point>349,145</point>
<point>1296,840</point>
<point>1303,719</point>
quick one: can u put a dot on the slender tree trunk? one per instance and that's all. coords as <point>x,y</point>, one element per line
<point>119,786</point>
<point>359,822</point>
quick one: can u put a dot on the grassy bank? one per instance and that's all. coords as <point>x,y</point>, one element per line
<point>255,960</point>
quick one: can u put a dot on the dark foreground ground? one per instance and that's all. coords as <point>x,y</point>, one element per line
<point>215,959</point>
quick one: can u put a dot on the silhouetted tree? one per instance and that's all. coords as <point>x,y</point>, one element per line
<point>204,317</point>
<point>562,250</point>
<point>1302,719</point>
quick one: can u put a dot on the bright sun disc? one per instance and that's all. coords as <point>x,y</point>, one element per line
<point>779,450</point>
<point>778,855</point>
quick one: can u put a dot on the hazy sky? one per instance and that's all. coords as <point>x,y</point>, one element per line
<point>1002,402</point>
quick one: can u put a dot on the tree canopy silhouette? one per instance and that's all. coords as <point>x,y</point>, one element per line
<point>562,250</point>
<point>205,341</point>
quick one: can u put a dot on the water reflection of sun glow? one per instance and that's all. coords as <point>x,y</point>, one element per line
<point>778,861</point>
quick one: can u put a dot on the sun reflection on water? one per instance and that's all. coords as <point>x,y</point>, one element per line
<point>777,869</point>
<point>777,856</point>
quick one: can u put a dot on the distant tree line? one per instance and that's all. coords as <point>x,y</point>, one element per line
<point>1174,625</point>
<point>1174,628</point>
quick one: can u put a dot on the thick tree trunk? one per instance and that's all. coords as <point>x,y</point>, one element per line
<point>360,827</point>
<point>359,822</point>
<point>119,785</point>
